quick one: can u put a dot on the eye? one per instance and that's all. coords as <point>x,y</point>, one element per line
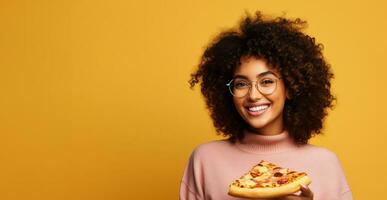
<point>267,82</point>
<point>241,84</point>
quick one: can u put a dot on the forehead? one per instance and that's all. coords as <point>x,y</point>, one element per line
<point>251,67</point>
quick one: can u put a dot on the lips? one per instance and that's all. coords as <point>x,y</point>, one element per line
<point>257,109</point>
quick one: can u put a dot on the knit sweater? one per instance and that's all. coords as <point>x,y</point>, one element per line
<point>213,166</point>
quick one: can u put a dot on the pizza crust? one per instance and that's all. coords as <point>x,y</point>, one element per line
<point>269,192</point>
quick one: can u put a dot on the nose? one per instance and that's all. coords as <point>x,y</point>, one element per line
<point>254,93</point>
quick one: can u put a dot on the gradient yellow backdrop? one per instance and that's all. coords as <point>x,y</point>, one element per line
<point>95,102</point>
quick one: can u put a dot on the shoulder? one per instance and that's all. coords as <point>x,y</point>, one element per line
<point>212,149</point>
<point>321,156</point>
<point>321,152</point>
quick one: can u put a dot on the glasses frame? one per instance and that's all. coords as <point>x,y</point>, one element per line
<point>251,86</point>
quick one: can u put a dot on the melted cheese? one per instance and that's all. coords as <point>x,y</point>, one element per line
<point>261,169</point>
<point>263,177</point>
<point>284,171</point>
<point>247,182</point>
<point>247,176</point>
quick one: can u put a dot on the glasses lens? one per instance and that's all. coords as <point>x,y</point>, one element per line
<point>267,85</point>
<point>240,87</point>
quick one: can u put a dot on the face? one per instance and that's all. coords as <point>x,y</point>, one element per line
<point>263,112</point>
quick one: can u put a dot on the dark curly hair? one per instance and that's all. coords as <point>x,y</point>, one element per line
<point>283,45</point>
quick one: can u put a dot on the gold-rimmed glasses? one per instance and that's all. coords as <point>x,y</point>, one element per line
<point>240,87</point>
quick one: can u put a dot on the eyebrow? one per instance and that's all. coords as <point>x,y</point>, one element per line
<point>258,76</point>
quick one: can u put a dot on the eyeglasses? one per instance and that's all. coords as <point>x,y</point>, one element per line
<point>241,87</point>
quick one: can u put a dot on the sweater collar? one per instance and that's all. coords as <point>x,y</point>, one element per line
<point>262,144</point>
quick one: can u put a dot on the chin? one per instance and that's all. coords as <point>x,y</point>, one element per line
<point>256,126</point>
<point>256,123</point>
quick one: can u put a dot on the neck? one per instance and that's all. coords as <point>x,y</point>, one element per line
<point>274,131</point>
<point>275,127</point>
<point>263,144</point>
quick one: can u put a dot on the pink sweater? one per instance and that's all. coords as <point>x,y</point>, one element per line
<point>214,165</point>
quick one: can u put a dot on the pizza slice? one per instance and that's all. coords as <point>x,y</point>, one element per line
<point>267,180</point>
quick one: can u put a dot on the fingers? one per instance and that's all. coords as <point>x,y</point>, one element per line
<point>306,192</point>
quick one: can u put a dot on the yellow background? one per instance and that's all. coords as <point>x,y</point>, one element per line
<point>95,102</point>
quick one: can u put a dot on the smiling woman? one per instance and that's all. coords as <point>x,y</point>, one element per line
<point>267,86</point>
<point>262,107</point>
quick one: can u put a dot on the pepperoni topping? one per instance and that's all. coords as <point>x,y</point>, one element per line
<point>282,181</point>
<point>255,174</point>
<point>278,174</point>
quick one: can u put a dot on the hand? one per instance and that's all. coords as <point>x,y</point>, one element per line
<point>306,194</point>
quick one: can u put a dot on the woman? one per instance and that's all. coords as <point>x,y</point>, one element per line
<point>267,87</point>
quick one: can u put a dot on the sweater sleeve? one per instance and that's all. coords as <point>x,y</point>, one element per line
<point>345,191</point>
<point>346,195</point>
<point>191,183</point>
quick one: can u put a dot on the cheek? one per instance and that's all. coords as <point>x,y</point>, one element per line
<point>237,102</point>
<point>279,101</point>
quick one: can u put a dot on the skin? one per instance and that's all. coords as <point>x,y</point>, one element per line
<point>271,121</point>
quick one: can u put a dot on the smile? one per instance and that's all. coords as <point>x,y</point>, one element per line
<point>257,110</point>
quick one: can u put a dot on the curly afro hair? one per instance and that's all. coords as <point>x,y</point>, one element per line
<point>283,45</point>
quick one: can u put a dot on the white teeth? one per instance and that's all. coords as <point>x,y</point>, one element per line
<point>258,108</point>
